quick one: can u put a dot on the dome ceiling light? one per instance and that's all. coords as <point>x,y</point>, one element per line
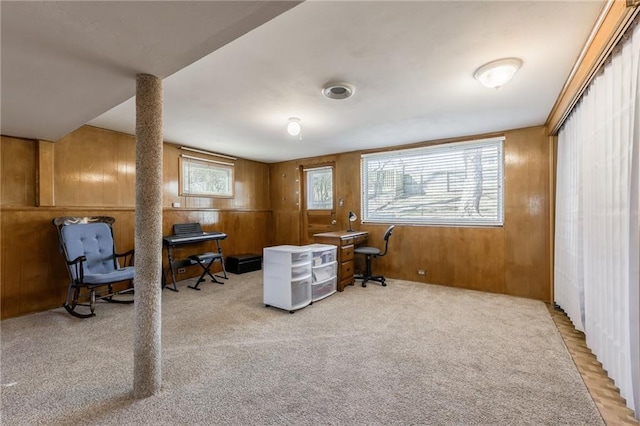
<point>293,127</point>
<point>338,90</point>
<point>496,74</point>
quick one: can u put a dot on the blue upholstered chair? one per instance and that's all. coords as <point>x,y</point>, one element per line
<point>92,262</point>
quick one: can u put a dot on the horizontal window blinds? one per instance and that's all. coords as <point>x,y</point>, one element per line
<point>450,184</point>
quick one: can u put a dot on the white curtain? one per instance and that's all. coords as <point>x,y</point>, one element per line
<point>597,226</point>
<point>569,293</point>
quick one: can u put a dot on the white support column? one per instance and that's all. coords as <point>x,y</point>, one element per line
<point>147,369</point>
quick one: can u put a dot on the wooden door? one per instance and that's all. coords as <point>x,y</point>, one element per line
<point>318,202</point>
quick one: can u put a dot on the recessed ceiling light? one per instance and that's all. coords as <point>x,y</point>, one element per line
<point>338,90</point>
<point>496,74</point>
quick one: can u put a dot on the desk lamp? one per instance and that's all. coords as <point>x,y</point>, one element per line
<point>352,218</point>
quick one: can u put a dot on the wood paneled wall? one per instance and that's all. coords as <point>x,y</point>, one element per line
<point>513,259</point>
<point>94,174</point>
<point>18,172</point>
<point>95,168</point>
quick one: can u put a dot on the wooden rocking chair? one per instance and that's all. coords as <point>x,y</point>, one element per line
<point>92,262</point>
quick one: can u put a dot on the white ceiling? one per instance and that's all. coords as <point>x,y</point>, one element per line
<point>412,64</point>
<point>66,62</point>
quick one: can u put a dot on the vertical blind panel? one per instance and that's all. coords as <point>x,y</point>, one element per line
<point>458,183</point>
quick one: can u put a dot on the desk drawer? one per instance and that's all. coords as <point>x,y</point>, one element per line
<point>359,239</point>
<point>346,241</point>
<point>346,270</point>
<point>346,253</point>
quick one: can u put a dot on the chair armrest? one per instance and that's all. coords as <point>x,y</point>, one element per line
<point>78,259</point>
<point>77,264</point>
<point>126,253</point>
<point>128,257</point>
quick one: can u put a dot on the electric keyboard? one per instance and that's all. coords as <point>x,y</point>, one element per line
<point>185,233</point>
<point>173,240</point>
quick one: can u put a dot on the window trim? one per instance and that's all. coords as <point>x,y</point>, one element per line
<point>499,222</point>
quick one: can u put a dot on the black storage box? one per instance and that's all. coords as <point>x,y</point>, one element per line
<point>241,263</point>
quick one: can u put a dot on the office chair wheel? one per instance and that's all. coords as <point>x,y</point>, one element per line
<point>384,284</point>
<point>364,284</point>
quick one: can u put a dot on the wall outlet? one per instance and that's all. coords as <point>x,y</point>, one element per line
<point>181,270</point>
<point>421,272</point>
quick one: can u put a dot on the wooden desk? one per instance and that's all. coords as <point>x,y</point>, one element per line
<point>346,242</point>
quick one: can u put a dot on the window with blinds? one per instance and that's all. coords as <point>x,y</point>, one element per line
<point>450,184</point>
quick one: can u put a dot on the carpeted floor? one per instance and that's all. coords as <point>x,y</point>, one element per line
<point>407,353</point>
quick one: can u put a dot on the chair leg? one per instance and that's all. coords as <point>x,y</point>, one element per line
<point>72,303</point>
<point>92,303</point>
<point>366,277</point>
<point>367,270</point>
<point>379,278</point>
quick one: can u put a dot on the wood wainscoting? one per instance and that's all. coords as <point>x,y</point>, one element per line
<point>34,277</point>
<point>91,172</point>
<point>512,259</point>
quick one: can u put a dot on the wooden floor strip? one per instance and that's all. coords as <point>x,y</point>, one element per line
<point>603,390</point>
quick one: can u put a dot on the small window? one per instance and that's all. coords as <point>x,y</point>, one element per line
<point>449,184</point>
<point>319,188</point>
<point>201,177</point>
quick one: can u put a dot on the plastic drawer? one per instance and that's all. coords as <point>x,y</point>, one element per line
<point>300,291</point>
<point>323,289</point>
<point>286,255</point>
<point>322,253</point>
<point>300,270</point>
<point>324,272</point>
<point>300,257</point>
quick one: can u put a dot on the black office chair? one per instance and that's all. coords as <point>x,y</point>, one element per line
<point>370,253</point>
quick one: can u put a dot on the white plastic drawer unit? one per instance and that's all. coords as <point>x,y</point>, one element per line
<point>323,289</point>
<point>322,253</point>
<point>287,277</point>
<point>324,272</point>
